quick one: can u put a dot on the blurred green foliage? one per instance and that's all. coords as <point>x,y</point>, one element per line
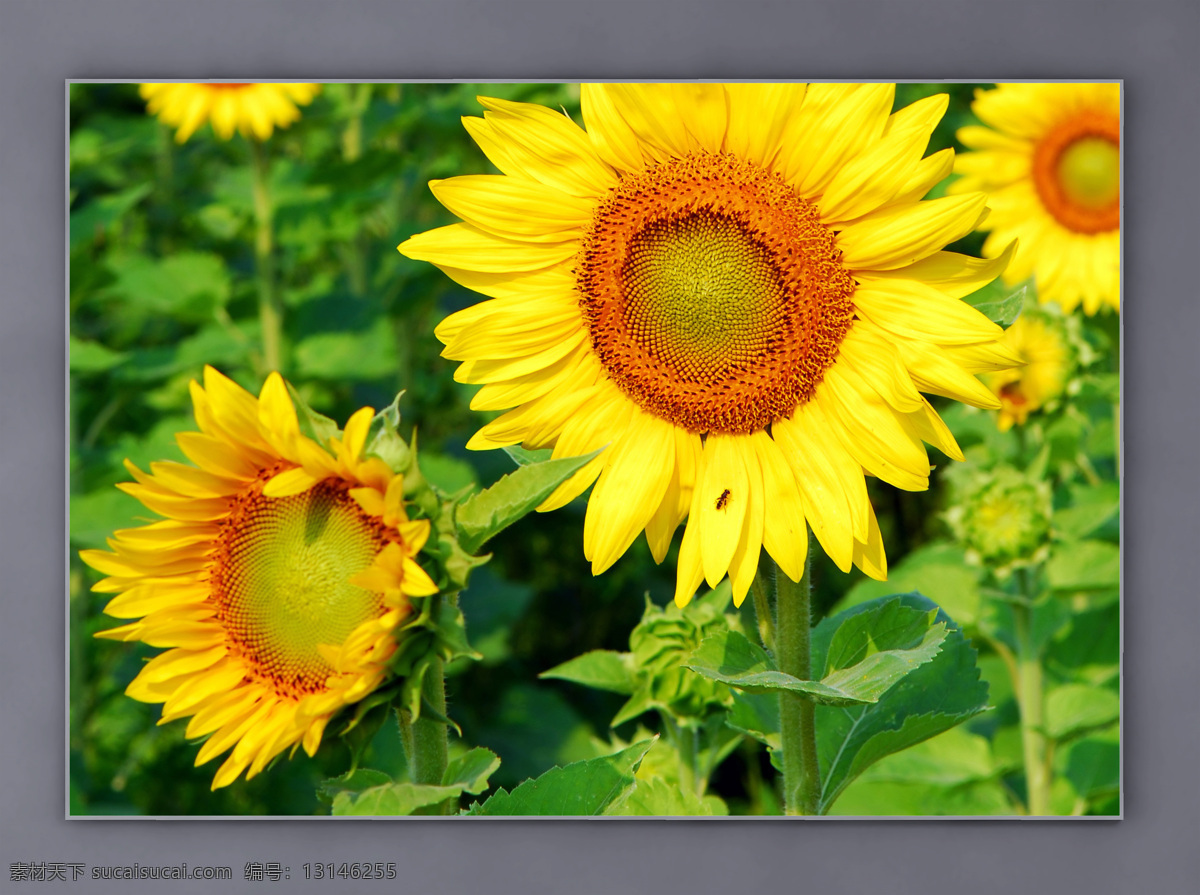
<point>162,282</point>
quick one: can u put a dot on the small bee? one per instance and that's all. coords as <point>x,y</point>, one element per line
<point>723,500</point>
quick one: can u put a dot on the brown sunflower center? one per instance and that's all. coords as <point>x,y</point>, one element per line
<point>281,579</point>
<point>1077,172</point>
<point>712,293</point>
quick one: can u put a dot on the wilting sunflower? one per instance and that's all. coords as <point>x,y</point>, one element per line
<point>1051,161</point>
<point>1041,340</point>
<point>252,109</point>
<point>733,288</point>
<point>277,581</point>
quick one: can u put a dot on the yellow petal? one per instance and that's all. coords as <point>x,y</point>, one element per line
<point>469,248</point>
<point>723,499</point>
<point>785,534</point>
<point>895,237</point>
<point>629,490</point>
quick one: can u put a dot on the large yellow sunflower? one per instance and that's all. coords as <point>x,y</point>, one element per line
<point>277,581</point>
<point>1041,340</point>
<point>1051,161</point>
<point>735,290</point>
<point>252,109</point>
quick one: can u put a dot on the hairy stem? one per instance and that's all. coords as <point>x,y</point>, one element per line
<point>797,713</point>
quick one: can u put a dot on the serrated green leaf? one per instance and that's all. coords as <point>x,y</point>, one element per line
<point>657,797</point>
<point>1075,709</point>
<point>601,669</point>
<point>729,657</point>
<point>392,800</point>
<point>999,303</point>
<point>582,788</point>
<point>489,512</point>
<point>352,782</point>
<point>926,701</point>
<point>1084,566</point>
<point>471,770</point>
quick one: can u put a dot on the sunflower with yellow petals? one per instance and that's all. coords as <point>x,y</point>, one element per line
<point>251,109</point>
<point>736,292</point>
<point>278,580</point>
<point>1050,158</point>
<point>1041,340</point>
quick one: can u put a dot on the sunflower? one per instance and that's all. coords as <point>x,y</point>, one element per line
<point>1050,159</point>
<point>1041,341</point>
<point>735,291</point>
<point>253,109</point>
<point>278,579</point>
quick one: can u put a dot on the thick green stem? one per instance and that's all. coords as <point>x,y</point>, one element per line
<point>427,760</point>
<point>1030,701</point>
<point>797,714</point>
<point>270,309</point>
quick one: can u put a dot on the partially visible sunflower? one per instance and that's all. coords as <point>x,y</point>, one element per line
<point>251,109</point>
<point>735,290</point>
<point>277,581</point>
<point>1041,340</point>
<point>1050,160</point>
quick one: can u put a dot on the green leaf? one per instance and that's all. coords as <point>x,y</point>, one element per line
<point>926,701</point>
<point>1092,506</point>
<point>471,770</point>
<point>96,515</point>
<point>939,571</point>
<point>92,357</point>
<point>583,788</point>
<point>354,356</point>
<point>97,216</point>
<point>657,797</point>
<point>186,286</point>
<point>1075,709</point>
<point>352,782</point>
<point>729,657</point>
<point>1092,765</point>
<point>1084,566</point>
<point>601,669</point>
<point>522,457</point>
<point>449,474</point>
<point>391,800</point>
<point>489,512</point>
<point>999,303</point>
<point>1088,651</point>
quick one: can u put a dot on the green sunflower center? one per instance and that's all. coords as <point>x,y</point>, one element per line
<point>712,293</point>
<point>282,579</point>
<point>1090,172</point>
<point>702,295</point>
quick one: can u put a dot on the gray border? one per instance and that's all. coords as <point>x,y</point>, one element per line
<point>1149,44</point>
